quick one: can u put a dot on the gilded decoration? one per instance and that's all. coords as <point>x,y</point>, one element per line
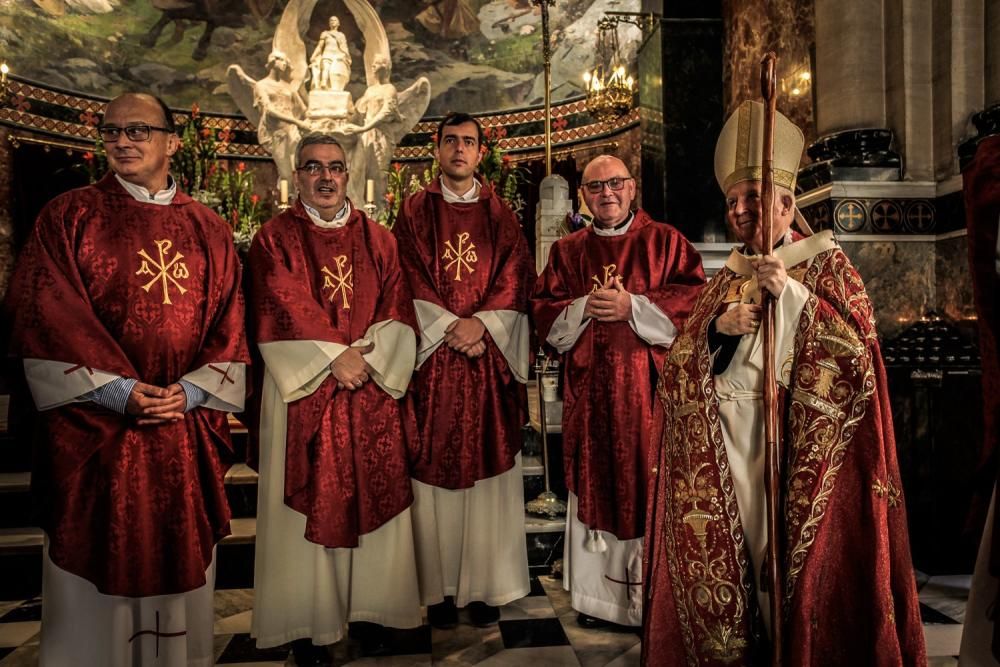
<point>341,282</point>
<point>609,273</point>
<point>461,255</point>
<point>833,383</point>
<point>169,270</point>
<point>887,491</point>
<point>710,574</point>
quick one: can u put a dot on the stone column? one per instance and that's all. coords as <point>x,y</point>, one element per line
<point>959,45</point>
<point>850,81</point>
<point>550,216</point>
<point>991,32</point>
<point>908,65</point>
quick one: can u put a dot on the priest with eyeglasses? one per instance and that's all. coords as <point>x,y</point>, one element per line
<point>126,309</point>
<point>610,301</point>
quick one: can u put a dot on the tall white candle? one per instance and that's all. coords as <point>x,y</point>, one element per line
<point>283,188</point>
<point>370,191</point>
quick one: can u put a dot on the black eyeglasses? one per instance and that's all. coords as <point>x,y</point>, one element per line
<point>314,168</point>
<point>615,183</point>
<point>111,133</point>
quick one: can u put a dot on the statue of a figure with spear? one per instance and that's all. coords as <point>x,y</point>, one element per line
<point>777,529</point>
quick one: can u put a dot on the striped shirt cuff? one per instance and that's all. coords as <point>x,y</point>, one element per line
<point>195,395</point>
<point>113,395</point>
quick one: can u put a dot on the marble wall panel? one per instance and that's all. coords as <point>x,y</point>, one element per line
<point>908,279</point>
<point>899,277</point>
<point>753,28</point>
<point>954,280</point>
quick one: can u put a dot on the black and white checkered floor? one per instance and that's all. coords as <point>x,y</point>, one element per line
<point>537,630</point>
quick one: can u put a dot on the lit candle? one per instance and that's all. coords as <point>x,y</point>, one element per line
<point>370,191</point>
<point>283,189</point>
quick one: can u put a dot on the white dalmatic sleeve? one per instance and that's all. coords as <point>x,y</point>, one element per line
<point>57,383</point>
<point>433,321</point>
<point>569,325</point>
<point>299,367</point>
<point>650,323</point>
<point>224,382</point>
<point>511,331</point>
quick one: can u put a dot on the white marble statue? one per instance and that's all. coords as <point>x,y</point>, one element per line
<point>282,111</point>
<point>331,60</point>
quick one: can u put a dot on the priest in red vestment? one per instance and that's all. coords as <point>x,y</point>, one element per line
<point>849,591</point>
<point>610,300</point>
<point>334,323</point>
<point>468,264</point>
<point>127,311</point>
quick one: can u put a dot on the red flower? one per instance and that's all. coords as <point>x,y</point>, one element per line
<point>212,168</point>
<point>488,133</point>
<point>398,166</point>
<point>195,110</point>
<point>206,132</point>
<point>254,199</point>
<point>434,138</point>
<point>505,159</point>
<point>88,156</point>
<point>390,198</point>
<point>482,149</point>
<point>241,167</point>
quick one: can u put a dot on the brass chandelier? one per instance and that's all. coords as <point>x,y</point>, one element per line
<point>610,89</point>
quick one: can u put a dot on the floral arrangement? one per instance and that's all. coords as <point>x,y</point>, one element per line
<point>495,167</point>
<point>199,171</point>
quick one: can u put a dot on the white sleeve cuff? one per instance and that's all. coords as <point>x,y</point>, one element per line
<point>650,323</point>
<point>393,356</point>
<point>57,383</point>
<point>433,321</point>
<point>224,382</point>
<point>569,325</point>
<point>511,332</point>
<point>299,366</point>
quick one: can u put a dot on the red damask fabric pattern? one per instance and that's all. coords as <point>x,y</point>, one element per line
<point>850,597</point>
<point>147,292</point>
<point>466,258</point>
<point>609,411</point>
<point>347,452</point>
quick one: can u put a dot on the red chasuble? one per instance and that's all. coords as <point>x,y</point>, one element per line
<point>850,597</point>
<point>609,375</point>
<point>466,258</point>
<point>148,292</point>
<point>346,451</point>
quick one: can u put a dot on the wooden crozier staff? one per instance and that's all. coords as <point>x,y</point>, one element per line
<point>772,444</point>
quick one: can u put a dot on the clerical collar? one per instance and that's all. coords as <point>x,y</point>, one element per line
<point>785,240</point>
<point>139,193</point>
<point>617,230</point>
<point>454,198</point>
<point>338,221</point>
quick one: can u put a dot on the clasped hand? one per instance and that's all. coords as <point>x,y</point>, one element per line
<point>611,303</point>
<point>465,335</point>
<point>351,369</point>
<point>153,405</point>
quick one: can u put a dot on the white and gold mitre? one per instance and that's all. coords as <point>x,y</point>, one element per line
<point>738,152</point>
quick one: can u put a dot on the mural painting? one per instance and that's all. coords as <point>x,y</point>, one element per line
<point>478,55</point>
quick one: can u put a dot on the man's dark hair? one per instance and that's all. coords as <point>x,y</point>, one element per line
<point>314,139</point>
<point>458,118</point>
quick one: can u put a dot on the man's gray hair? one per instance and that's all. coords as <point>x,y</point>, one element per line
<point>314,139</point>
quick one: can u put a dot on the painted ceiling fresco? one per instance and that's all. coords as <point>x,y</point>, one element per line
<point>480,55</point>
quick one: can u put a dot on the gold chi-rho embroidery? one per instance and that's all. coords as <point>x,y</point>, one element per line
<point>609,273</point>
<point>339,282</point>
<point>167,272</point>
<point>460,255</point>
